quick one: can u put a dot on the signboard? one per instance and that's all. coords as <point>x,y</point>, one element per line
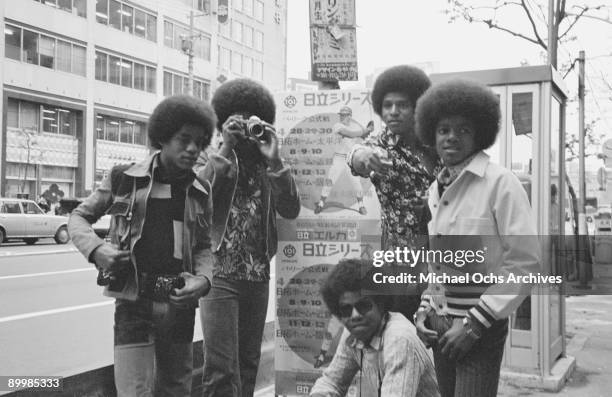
<point>332,12</point>
<point>222,11</point>
<point>312,128</point>
<point>334,56</point>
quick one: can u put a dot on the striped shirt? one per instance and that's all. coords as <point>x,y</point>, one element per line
<point>394,364</point>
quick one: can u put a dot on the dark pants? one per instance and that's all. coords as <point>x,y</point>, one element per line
<point>153,349</point>
<point>476,374</point>
<point>233,317</point>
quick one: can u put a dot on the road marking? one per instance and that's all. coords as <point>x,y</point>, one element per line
<point>54,311</point>
<point>46,273</point>
<point>33,253</point>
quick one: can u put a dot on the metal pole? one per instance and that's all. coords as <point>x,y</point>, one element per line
<point>190,55</point>
<point>551,22</point>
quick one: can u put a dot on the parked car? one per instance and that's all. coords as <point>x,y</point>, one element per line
<point>102,227</point>
<point>24,220</point>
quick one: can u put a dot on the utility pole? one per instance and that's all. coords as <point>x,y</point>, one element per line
<point>550,48</point>
<point>581,138</point>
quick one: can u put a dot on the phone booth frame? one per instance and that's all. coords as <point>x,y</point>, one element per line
<point>531,143</point>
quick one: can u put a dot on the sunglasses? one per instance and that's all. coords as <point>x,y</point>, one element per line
<point>362,306</point>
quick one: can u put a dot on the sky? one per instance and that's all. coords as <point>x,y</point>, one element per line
<point>391,32</point>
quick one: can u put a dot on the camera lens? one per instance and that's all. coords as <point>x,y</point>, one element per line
<point>256,130</point>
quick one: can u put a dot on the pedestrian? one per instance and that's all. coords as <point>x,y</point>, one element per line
<point>401,169</point>
<point>250,185</point>
<point>159,262</point>
<point>383,345</point>
<point>477,204</point>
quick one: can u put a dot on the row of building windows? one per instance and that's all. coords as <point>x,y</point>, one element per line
<point>44,50</point>
<point>174,34</point>
<point>115,129</point>
<point>243,34</point>
<point>36,117</point>
<point>240,64</point>
<point>252,8</point>
<point>177,84</point>
<point>117,70</point>
<point>126,18</point>
<point>202,5</point>
<point>76,7</point>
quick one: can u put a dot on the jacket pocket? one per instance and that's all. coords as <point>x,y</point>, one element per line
<point>475,226</point>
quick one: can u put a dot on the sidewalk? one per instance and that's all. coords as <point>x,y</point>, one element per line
<point>589,332</point>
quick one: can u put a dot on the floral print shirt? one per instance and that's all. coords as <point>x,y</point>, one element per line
<point>402,193</point>
<point>242,255</point>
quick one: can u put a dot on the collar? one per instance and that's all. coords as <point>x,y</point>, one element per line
<point>376,342</point>
<point>146,168</point>
<point>478,165</point>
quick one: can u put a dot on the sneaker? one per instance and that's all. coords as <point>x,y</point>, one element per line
<point>362,210</point>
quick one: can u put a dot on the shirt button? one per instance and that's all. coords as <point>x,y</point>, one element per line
<point>445,202</point>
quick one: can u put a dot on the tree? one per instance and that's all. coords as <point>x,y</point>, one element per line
<point>536,15</point>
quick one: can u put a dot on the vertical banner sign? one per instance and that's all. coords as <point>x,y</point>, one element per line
<point>333,40</point>
<point>222,11</point>
<point>339,218</point>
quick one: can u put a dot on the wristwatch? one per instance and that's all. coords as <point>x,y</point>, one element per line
<point>472,330</point>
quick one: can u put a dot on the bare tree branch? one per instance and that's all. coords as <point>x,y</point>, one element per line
<point>571,25</point>
<point>493,25</point>
<point>533,25</point>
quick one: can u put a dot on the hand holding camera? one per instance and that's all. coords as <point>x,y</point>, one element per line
<point>195,287</point>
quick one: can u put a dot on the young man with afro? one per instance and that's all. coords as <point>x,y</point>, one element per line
<point>476,204</point>
<point>159,233</point>
<point>382,344</point>
<point>250,185</point>
<point>401,169</point>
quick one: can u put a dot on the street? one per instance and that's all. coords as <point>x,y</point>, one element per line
<point>54,319</point>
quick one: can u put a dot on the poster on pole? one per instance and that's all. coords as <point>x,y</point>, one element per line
<point>332,12</point>
<point>339,218</point>
<point>334,55</point>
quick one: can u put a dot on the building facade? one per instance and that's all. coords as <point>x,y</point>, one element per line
<point>80,78</point>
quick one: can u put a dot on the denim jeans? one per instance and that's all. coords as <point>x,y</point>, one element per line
<point>153,349</point>
<point>233,317</point>
<point>477,373</point>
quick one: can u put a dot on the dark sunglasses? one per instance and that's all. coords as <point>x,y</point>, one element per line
<point>362,306</point>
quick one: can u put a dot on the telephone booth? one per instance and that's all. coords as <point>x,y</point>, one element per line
<point>530,143</point>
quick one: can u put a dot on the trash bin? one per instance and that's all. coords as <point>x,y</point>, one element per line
<point>603,238</point>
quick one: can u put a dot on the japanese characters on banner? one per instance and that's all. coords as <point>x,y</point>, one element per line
<point>333,42</point>
<point>339,218</point>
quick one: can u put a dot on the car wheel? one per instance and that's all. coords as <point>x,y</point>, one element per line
<point>62,237</point>
<point>30,241</point>
<point>2,236</point>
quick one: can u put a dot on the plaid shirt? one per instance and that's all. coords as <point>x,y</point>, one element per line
<point>394,363</point>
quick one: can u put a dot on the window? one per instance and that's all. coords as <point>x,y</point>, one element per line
<point>114,70</point>
<point>258,70</point>
<point>140,23</point>
<point>202,47</point>
<point>11,207</point>
<point>168,34</point>
<point>151,79</point>
<point>50,119</point>
<point>126,73</point>
<point>167,84</point>
<point>76,7</point>
<point>12,42</point>
<point>175,84</point>
<point>174,35</point>
<point>258,40</point>
<point>12,113</point>
<point>26,115</point>
<point>102,11</point>
<point>112,130</point>
<point>236,62</point>
<point>247,7</point>
<point>248,36</point>
<point>31,208</point>
<point>29,115</point>
<point>140,134</point>
<point>67,122</point>
<point>151,27</point>
<point>79,60</point>
<point>30,46</point>
<point>99,127</point>
<point>101,66</point>
<point>47,51</point>
<point>120,130</point>
<point>224,55</point>
<point>139,76</point>
<point>114,14</point>
<point>259,10</point>
<point>247,66</point>
<point>236,31</point>
<point>126,134</point>
<point>64,55</point>
<point>127,18</point>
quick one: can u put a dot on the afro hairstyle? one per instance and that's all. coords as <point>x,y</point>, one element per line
<point>405,79</point>
<point>241,96</point>
<point>469,99</point>
<point>171,114</point>
<point>353,275</point>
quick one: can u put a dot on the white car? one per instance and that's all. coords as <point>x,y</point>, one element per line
<point>24,220</point>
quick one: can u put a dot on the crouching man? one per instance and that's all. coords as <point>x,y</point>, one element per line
<point>159,262</point>
<point>382,344</point>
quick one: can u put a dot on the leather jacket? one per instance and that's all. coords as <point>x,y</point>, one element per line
<point>124,195</point>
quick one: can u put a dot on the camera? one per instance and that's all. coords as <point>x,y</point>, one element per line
<point>115,280</point>
<point>159,288</point>
<point>254,128</point>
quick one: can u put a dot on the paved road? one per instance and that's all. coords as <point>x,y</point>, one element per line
<point>53,317</point>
